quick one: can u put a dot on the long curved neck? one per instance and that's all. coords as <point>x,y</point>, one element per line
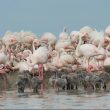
<point>33,47</point>
<point>79,44</point>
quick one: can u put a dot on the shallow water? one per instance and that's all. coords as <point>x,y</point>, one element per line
<point>53,100</point>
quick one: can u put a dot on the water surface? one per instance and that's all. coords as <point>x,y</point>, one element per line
<point>53,100</point>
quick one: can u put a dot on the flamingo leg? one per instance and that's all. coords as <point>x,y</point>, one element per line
<point>88,68</point>
<point>41,75</point>
<point>42,72</point>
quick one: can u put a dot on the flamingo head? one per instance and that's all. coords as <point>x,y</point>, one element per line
<point>13,40</point>
<point>36,42</point>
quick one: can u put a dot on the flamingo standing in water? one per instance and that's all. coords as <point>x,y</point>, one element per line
<point>40,57</point>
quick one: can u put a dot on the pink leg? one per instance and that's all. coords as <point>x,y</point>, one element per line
<point>42,77</point>
<point>40,72</point>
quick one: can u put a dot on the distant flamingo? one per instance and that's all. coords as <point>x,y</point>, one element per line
<point>48,38</point>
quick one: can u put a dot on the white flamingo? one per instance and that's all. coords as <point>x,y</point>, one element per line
<point>87,50</point>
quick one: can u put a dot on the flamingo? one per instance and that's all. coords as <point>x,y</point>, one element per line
<point>74,35</point>
<point>96,37</point>
<point>92,65</point>
<point>67,58</point>
<point>64,41</point>
<point>40,57</point>
<point>49,38</point>
<point>62,59</point>
<point>87,50</point>
<point>26,53</point>
<point>107,31</point>
<point>25,36</point>
<point>35,44</point>
<point>21,66</point>
<point>9,39</point>
<point>56,61</point>
<point>4,57</point>
<point>86,29</point>
<point>63,35</point>
<point>66,44</point>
